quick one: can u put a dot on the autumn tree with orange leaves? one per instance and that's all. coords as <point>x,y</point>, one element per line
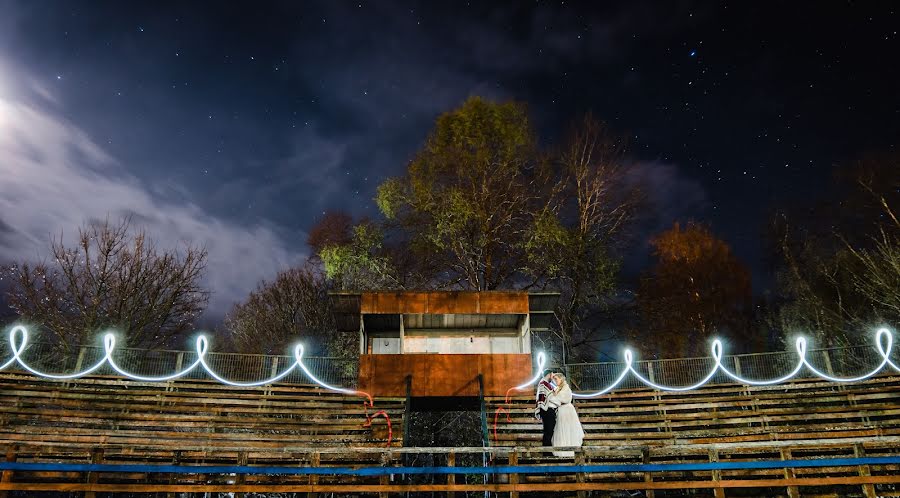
<point>697,290</point>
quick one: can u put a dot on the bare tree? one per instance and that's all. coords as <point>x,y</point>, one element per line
<point>572,245</point>
<point>111,279</point>
<point>879,278</point>
<point>840,272</point>
<point>292,307</point>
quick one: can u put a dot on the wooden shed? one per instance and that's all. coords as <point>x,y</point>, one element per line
<point>440,342</point>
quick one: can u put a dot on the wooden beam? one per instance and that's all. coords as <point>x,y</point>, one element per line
<point>8,474</point>
<point>451,478</point>
<point>93,477</point>
<point>716,474</point>
<point>864,471</point>
<point>513,478</point>
<point>399,488</point>
<point>793,491</point>
<point>315,460</point>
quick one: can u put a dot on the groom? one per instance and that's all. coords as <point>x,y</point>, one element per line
<point>544,411</point>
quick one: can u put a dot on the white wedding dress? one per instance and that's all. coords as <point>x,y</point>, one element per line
<point>568,431</point>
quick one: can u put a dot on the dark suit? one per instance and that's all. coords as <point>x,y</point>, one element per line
<point>549,418</point>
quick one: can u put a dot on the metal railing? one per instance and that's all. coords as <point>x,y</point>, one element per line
<point>845,362</point>
<point>839,362</point>
<point>237,367</point>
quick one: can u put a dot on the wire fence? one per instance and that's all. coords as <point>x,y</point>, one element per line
<point>235,367</point>
<point>681,372</point>
<point>342,372</point>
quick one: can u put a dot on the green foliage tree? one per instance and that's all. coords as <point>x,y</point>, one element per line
<point>467,197</point>
<point>481,208</point>
<point>361,263</point>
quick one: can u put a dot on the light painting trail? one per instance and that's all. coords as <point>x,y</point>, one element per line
<point>884,343</point>
<point>18,339</point>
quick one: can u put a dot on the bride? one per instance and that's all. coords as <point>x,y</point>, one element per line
<point>568,431</point>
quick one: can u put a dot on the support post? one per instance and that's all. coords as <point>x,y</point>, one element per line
<point>716,474</point>
<point>451,478</point>
<point>173,478</point>
<point>406,411</point>
<point>792,491</point>
<point>648,476</point>
<point>828,367</point>
<point>864,471</point>
<point>80,361</point>
<point>314,461</point>
<point>579,477</point>
<point>179,361</point>
<point>485,435</point>
<point>513,477</point>
<point>386,459</point>
<point>8,474</point>
<point>93,477</point>
<point>241,478</point>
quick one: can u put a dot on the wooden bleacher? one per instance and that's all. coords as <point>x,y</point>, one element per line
<point>802,409</point>
<point>116,421</point>
<point>804,419</point>
<point>195,424</point>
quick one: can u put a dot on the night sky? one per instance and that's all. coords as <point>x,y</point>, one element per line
<point>236,125</point>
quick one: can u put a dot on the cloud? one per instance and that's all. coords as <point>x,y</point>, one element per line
<point>668,194</point>
<point>56,177</point>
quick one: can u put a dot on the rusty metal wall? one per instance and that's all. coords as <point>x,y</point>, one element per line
<point>442,374</point>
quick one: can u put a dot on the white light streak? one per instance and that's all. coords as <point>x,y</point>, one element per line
<point>884,343</point>
<point>18,339</point>
<point>541,361</point>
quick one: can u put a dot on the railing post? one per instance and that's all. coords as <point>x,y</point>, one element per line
<point>737,366</point>
<point>485,435</point>
<point>648,476</point>
<point>179,361</point>
<point>513,477</point>
<point>386,459</point>
<point>314,462</point>
<point>241,478</point>
<point>406,411</point>
<point>716,474</point>
<point>274,370</point>
<point>650,374</point>
<point>451,478</point>
<point>864,471</point>
<point>93,477</point>
<point>793,491</point>
<point>173,478</point>
<point>7,474</point>
<point>579,476</point>
<point>80,360</point>
<point>828,367</point>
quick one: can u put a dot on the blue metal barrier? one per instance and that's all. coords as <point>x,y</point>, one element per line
<point>511,469</point>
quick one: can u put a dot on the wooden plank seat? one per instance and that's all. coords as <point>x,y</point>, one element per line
<point>185,414</point>
<point>720,413</point>
<point>843,476</point>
